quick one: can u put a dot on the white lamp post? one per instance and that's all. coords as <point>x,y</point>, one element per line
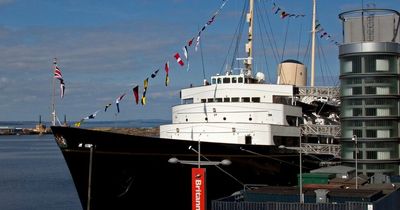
<point>300,171</point>
<point>354,138</point>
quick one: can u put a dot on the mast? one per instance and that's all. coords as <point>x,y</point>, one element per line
<point>249,44</point>
<point>313,44</point>
<point>53,112</point>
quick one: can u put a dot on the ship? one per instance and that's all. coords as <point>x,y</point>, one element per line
<point>236,126</point>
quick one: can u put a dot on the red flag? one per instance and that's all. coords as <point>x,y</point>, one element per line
<point>190,42</point>
<point>179,59</point>
<point>136,93</point>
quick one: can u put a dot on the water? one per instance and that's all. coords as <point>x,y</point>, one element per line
<point>34,175</point>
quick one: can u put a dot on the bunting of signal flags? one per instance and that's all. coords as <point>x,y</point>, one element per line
<point>136,93</point>
<point>185,53</point>
<point>58,75</point>
<point>118,100</point>
<point>78,124</point>
<point>323,34</point>
<point>277,10</point>
<point>92,116</point>
<point>178,58</point>
<point>145,85</point>
<point>106,107</point>
<point>166,73</point>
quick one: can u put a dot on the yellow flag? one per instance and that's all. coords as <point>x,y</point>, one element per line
<point>146,83</point>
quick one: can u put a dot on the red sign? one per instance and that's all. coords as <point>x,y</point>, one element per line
<point>199,189</point>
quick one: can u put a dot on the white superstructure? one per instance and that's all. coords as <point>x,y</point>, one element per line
<point>235,109</point>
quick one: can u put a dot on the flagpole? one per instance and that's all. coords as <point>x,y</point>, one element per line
<point>53,113</point>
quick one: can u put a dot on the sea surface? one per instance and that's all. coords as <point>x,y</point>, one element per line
<point>33,173</point>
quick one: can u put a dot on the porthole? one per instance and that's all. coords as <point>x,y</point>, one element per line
<point>250,119</point>
<point>224,118</point>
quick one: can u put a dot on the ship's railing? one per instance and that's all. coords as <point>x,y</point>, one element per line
<point>321,130</point>
<point>322,149</point>
<point>319,149</point>
<point>332,92</point>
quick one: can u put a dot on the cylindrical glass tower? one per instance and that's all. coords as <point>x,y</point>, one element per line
<point>370,75</point>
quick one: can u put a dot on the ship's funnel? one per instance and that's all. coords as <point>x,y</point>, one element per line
<point>292,72</point>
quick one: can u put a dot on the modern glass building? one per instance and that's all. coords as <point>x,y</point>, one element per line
<point>370,80</point>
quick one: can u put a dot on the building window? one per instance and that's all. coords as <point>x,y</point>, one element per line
<point>382,90</point>
<point>371,133</point>
<point>382,65</point>
<point>372,155</point>
<point>347,66</point>
<point>357,132</point>
<point>383,155</point>
<point>357,112</point>
<point>357,91</point>
<point>370,111</point>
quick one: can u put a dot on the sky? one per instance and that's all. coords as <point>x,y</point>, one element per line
<point>104,48</point>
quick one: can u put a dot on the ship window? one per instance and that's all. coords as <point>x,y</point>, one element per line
<point>255,99</point>
<point>245,99</point>
<point>235,99</point>
<point>240,79</point>
<point>219,80</point>
<point>246,80</point>
<point>210,100</point>
<point>291,120</point>
<point>218,100</point>
<point>234,80</point>
<point>203,100</point>
<point>213,81</point>
<point>227,99</point>
<point>188,101</point>
<point>226,80</point>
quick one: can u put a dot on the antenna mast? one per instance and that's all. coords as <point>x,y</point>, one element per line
<point>249,44</point>
<point>313,44</point>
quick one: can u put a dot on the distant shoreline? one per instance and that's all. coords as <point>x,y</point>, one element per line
<point>153,131</point>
